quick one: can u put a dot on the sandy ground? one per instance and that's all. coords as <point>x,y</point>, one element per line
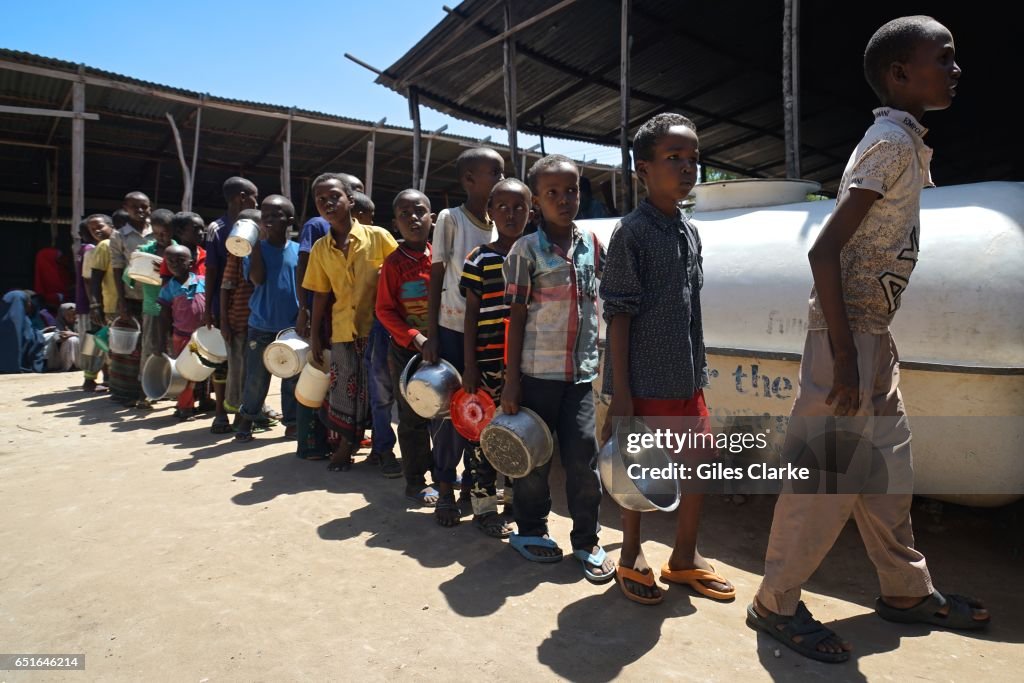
<point>163,552</point>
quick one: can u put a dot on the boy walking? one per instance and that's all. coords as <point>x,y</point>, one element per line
<point>273,307</point>
<point>235,292</point>
<point>861,262</point>
<point>551,286</point>
<point>458,232</point>
<point>402,311</point>
<point>651,294</point>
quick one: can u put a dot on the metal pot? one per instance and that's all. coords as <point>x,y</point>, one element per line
<point>641,493</point>
<point>243,237</point>
<point>517,444</point>
<point>160,378</point>
<point>428,389</point>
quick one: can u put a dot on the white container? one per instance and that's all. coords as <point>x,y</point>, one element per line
<point>243,237</point>
<point>286,355</point>
<point>145,268</point>
<point>312,386</point>
<point>959,329</point>
<point>749,192</point>
<point>189,365</point>
<point>124,339</point>
<point>209,344</point>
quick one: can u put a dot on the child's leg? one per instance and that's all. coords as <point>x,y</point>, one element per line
<point>257,381</point>
<point>346,413</point>
<point>533,495</point>
<point>185,406</point>
<point>381,398</point>
<point>236,372</point>
<point>288,403</point>
<point>413,430</point>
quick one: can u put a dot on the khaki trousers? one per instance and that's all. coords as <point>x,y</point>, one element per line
<point>805,526</point>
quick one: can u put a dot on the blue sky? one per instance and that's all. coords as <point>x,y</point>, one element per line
<point>283,53</point>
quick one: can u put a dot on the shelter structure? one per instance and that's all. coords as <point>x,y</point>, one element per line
<point>775,88</point>
<point>74,140</point>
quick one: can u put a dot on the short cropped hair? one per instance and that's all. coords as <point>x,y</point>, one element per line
<point>287,202</point>
<point>161,217</point>
<point>511,185</point>
<point>342,178</point>
<point>84,233</point>
<point>471,157</point>
<point>411,190</point>
<point>654,129</point>
<point>249,214</point>
<point>107,220</point>
<point>136,195</point>
<point>894,42</point>
<point>184,219</point>
<point>118,219</point>
<point>543,165</point>
<point>236,185</point>
<point>362,202</point>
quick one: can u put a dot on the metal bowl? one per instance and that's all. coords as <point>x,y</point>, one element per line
<point>639,493</point>
<point>243,237</point>
<point>517,444</point>
<point>428,389</point>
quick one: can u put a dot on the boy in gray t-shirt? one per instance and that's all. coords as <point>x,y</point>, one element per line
<point>861,264</point>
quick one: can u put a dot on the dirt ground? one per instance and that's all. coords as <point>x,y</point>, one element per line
<point>163,552</point>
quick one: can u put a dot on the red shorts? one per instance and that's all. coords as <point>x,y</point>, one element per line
<point>666,413</point>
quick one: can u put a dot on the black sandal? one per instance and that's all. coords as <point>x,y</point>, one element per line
<point>340,466</point>
<point>802,624</point>
<point>492,525</point>
<point>446,505</point>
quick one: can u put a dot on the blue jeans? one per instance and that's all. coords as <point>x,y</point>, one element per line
<point>257,380</point>
<point>568,411</point>
<point>381,395</point>
<point>450,447</point>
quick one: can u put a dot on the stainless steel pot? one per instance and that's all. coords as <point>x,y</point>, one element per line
<point>243,237</point>
<point>429,388</point>
<point>640,492</point>
<point>160,379</point>
<point>517,444</point>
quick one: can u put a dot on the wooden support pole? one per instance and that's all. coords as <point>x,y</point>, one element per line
<point>511,89</point>
<point>78,153</point>
<point>624,90</point>
<point>371,146</point>
<point>414,114</point>
<point>186,200</point>
<point>426,161</point>
<point>790,85</point>
<point>195,156</point>
<point>286,158</point>
<point>156,184</point>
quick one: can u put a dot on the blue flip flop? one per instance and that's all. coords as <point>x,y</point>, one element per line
<point>521,545</point>
<point>589,560</point>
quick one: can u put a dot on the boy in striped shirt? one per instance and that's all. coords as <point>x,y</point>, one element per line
<point>483,285</point>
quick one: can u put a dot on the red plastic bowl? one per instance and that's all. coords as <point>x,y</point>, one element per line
<point>470,413</point>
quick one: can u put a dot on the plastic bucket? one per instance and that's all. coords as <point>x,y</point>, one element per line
<point>312,386</point>
<point>160,379</point>
<point>145,268</point>
<point>209,344</point>
<point>123,340</point>
<point>286,356</point>
<point>189,365</point>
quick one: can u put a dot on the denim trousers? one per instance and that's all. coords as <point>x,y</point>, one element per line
<point>257,379</point>
<point>413,430</point>
<point>450,447</point>
<point>568,411</point>
<point>380,387</point>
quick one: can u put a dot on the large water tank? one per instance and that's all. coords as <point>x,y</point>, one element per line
<point>959,330</point>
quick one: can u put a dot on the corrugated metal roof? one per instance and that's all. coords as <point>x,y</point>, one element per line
<point>131,146</point>
<point>720,64</point>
